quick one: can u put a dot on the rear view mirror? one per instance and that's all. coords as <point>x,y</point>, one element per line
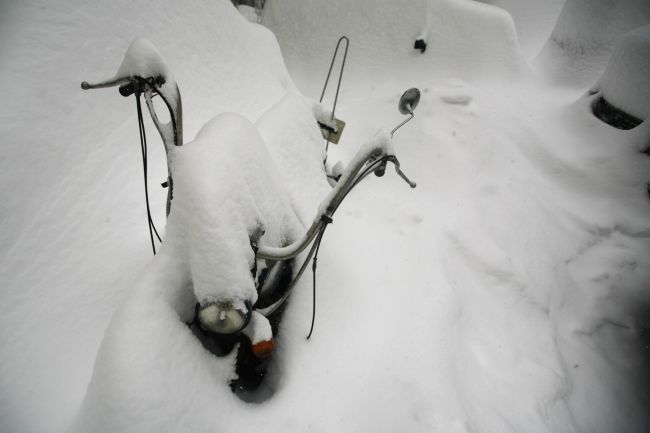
<point>407,103</point>
<point>409,100</point>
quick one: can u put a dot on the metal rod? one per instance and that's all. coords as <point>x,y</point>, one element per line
<point>108,83</point>
<point>338,86</point>
<point>271,308</point>
<point>402,124</point>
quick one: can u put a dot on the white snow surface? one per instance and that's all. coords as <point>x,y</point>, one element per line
<point>73,217</point>
<point>585,35</point>
<point>465,39</point>
<point>142,59</point>
<point>534,21</point>
<point>508,292</point>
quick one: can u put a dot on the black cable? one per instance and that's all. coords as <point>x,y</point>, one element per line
<point>146,176</point>
<point>143,149</point>
<point>371,167</point>
<point>313,270</point>
<point>315,248</point>
<point>374,165</point>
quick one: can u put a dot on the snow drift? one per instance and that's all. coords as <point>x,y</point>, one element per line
<point>507,293</point>
<point>624,83</point>
<point>585,35</point>
<point>464,39</point>
<point>74,222</point>
<point>534,21</point>
<point>225,185</point>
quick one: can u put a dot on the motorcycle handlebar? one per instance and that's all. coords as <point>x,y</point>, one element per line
<point>331,203</point>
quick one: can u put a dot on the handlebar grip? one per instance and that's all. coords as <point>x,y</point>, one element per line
<point>127,90</point>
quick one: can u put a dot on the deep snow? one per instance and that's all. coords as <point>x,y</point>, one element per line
<point>584,38</point>
<point>624,82</point>
<point>508,292</point>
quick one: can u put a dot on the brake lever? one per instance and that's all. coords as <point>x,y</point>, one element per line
<point>399,171</point>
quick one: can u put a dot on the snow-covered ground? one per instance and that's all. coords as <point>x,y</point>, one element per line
<point>508,292</point>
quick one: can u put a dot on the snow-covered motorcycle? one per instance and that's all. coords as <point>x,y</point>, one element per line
<point>240,255</point>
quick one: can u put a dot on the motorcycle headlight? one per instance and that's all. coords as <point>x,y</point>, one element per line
<point>225,317</point>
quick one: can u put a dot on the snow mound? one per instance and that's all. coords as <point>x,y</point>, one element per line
<point>289,133</point>
<point>464,39</point>
<point>74,222</point>
<point>142,59</point>
<point>585,35</point>
<point>226,186</point>
<point>626,83</point>
<point>225,190</point>
<point>534,21</point>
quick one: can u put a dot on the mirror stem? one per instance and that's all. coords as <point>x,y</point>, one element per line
<point>411,116</point>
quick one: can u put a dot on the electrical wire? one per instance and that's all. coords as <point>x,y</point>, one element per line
<point>143,149</point>
<point>313,270</point>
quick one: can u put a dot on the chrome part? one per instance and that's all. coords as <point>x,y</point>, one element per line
<point>409,100</point>
<point>338,87</point>
<point>172,132</point>
<point>224,317</point>
<point>407,103</point>
<point>330,204</point>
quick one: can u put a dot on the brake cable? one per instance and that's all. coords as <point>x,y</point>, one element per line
<point>373,166</point>
<point>313,271</point>
<point>378,166</point>
<point>143,148</point>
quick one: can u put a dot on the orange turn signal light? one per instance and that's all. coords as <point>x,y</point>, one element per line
<point>263,349</point>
